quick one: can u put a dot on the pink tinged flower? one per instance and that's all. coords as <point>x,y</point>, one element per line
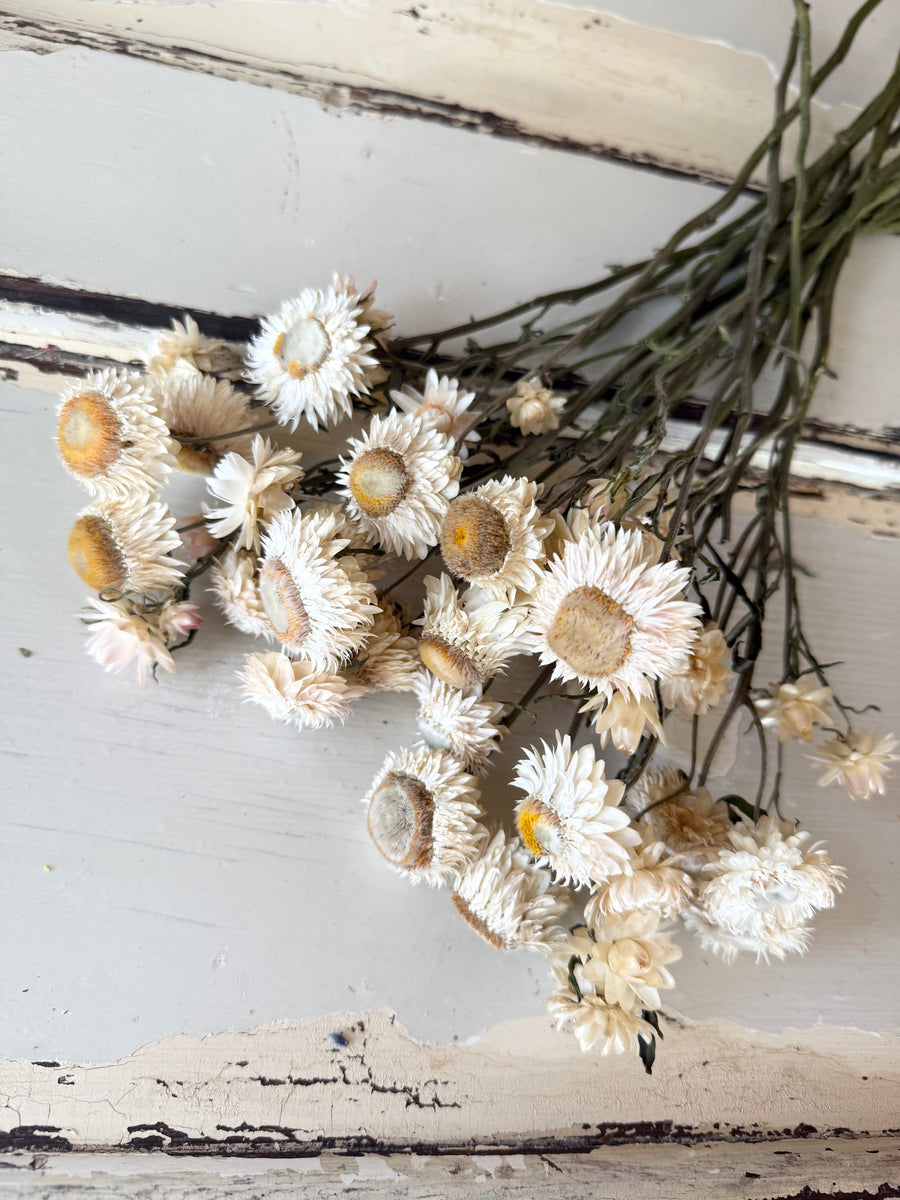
<point>177,620</point>
<point>120,636</point>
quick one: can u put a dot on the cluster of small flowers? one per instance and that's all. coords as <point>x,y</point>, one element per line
<point>590,591</point>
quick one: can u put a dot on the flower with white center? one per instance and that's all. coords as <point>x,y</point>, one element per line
<point>700,687</point>
<point>235,588</point>
<point>122,633</point>
<point>467,639</point>
<point>590,1018</point>
<point>653,883</point>
<point>311,357</point>
<point>293,691</point>
<point>201,412</point>
<point>423,815</point>
<point>793,708</point>
<point>125,546</point>
<point>177,619</point>
<point>442,406</point>
<point>624,719</point>
<point>857,762</point>
<point>534,409</point>
<point>253,491</point>
<point>398,480</point>
<point>389,661</point>
<point>184,345</point>
<point>569,818</point>
<point>627,961</point>
<point>494,537</point>
<point>111,437</point>
<point>319,604</point>
<point>605,616</point>
<point>690,825</point>
<point>508,899</point>
<point>463,725</point>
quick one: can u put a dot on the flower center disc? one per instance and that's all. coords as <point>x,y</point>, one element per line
<point>539,828</point>
<point>401,813</point>
<point>474,538</point>
<point>281,599</point>
<point>95,554</point>
<point>629,958</point>
<point>88,434</point>
<point>449,662</point>
<point>477,923</point>
<point>303,348</point>
<point>197,458</point>
<point>591,633</point>
<point>378,481</point>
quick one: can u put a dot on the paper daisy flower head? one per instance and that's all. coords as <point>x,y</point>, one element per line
<point>701,685</point>
<point>467,639</point>
<point>126,546</point>
<point>604,616</point>
<point>184,345</point>
<point>377,319</point>
<point>442,406</point>
<point>654,883</point>
<point>858,762</point>
<point>494,537</point>
<point>389,661</point>
<point>122,633</point>
<point>624,719</point>
<point>591,1019</point>
<point>690,824</point>
<point>293,691</point>
<point>200,411</point>
<point>793,708</point>
<point>311,358</point>
<point>110,436</point>
<point>235,589</point>
<point>627,961</point>
<point>463,725</point>
<point>423,815</point>
<point>254,491</point>
<point>508,899</point>
<point>398,480</point>
<point>569,818</point>
<point>320,606</point>
<point>534,409</point>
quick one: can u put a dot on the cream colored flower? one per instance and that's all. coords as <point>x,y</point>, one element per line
<point>702,684</point>
<point>690,825</point>
<point>122,633</point>
<point>177,620</point>
<point>534,409</point>
<point>378,320</point>
<point>293,691</point>
<point>125,546</point>
<point>508,899</point>
<point>201,412</point>
<point>442,406</point>
<point>196,541</point>
<point>625,719</point>
<point>606,617</point>
<point>570,819</point>
<point>423,815</point>
<point>467,639</point>
<point>772,941</point>
<point>235,588</point>
<point>389,660</point>
<point>253,491</point>
<point>654,883</point>
<point>592,1020</point>
<point>494,537</point>
<point>793,708</point>
<point>857,762</point>
<point>463,725</point>
<point>398,480</point>
<point>311,358</point>
<point>627,962</point>
<point>319,604</point>
<point>184,345</point>
<point>110,436</point>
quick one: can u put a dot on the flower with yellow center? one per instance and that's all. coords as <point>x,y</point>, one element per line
<point>123,632</point>
<point>125,546</point>
<point>201,413</point>
<point>254,490</point>
<point>690,825</point>
<point>442,406</point>
<point>185,346</point>
<point>654,883</point>
<point>534,409</point>
<point>702,684</point>
<point>857,762</point>
<point>110,436</point>
<point>494,537</point>
<point>468,728</point>
<point>605,616</point>
<point>235,589</point>
<point>794,708</point>
<point>398,480</point>
<point>624,719</point>
<point>310,359</point>
<point>627,961</point>
<point>569,818</point>
<point>423,815</point>
<point>293,691</point>
<point>508,899</point>
<point>389,660</point>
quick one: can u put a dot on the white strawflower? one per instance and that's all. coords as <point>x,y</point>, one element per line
<point>494,537</point>
<point>605,616</point>
<point>398,480</point>
<point>627,961</point>
<point>442,406</point>
<point>111,437</point>
<point>311,357</point>
<point>319,604</point>
<point>423,815</point>
<point>700,687</point>
<point>125,546</point>
<point>201,412</point>
<point>463,725</point>
<point>121,633</point>
<point>508,899</point>
<point>691,825</point>
<point>184,345</point>
<point>857,762</point>
<point>624,719</point>
<point>774,942</point>
<point>569,818</point>
<point>654,883</point>
<point>793,708</point>
<point>534,409</point>
<point>389,660</point>
<point>293,691</point>
<point>235,588</point>
<point>467,639</point>
<point>378,320</point>
<point>253,491</point>
<point>591,1019</point>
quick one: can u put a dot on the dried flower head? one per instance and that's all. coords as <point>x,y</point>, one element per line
<point>690,824</point>
<point>293,691</point>
<point>124,632</point>
<point>626,959</point>
<point>591,1019</point>
<point>654,883</point>
<point>857,762</point>
<point>534,409</point>
<point>701,685</point>
<point>443,407</point>
<point>254,491</point>
<point>184,346</point>
<point>793,708</point>
<point>235,588</point>
<point>389,660</point>
<point>125,546</point>
<point>624,719</point>
<point>463,725</point>
<point>201,413</point>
